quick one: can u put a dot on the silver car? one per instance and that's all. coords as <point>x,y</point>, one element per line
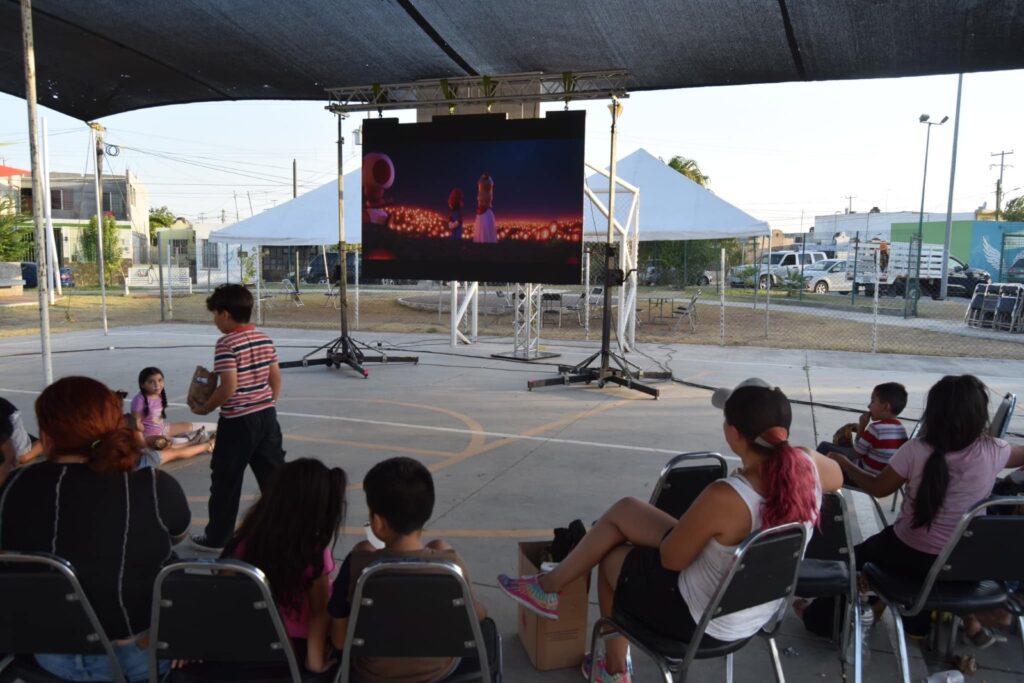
<point>827,276</point>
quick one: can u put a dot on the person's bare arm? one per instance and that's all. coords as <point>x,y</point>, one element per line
<point>716,510</point>
<point>888,481</point>
<point>829,473</point>
<point>33,453</point>
<point>275,380</point>
<point>339,631</point>
<point>316,642</point>
<point>1016,457</point>
<point>228,383</point>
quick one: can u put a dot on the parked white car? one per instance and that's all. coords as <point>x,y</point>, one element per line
<point>827,276</point>
<point>780,264</point>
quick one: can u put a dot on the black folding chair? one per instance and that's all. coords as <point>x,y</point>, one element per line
<point>43,609</point>
<point>420,608</point>
<point>221,613</point>
<point>684,477</point>
<point>764,569</point>
<point>966,576</point>
<point>829,570</point>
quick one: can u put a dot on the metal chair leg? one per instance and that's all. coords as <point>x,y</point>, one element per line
<point>728,668</point>
<point>902,658</point>
<point>773,650</point>
<point>858,640</point>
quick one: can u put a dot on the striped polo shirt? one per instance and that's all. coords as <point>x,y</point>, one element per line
<point>879,443</point>
<point>249,353</point>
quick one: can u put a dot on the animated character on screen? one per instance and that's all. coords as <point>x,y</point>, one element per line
<point>455,217</point>
<point>486,229</point>
<point>378,175</point>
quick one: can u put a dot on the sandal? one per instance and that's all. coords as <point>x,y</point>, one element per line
<point>984,638</point>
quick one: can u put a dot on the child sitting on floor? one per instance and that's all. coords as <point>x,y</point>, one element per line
<point>150,410</point>
<point>879,434</point>
<point>400,498</point>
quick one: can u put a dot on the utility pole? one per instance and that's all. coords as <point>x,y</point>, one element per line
<point>295,178</point>
<point>849,202</point>
<point>98,131</point>
<point>999,183</point>
<point>237,218</point>
<point>223,216</point>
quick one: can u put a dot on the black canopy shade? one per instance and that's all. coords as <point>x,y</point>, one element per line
<point>100,57</point>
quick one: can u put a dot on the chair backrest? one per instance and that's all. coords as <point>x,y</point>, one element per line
<point>833,538</point>
<point>983,547</point>
<point>413,608</point>
<point>1004,413</point>
<point>764,569</point>
<point>44,609</point>
<point>217,611</point>
<point>684,477</point>
<point>693,299</point>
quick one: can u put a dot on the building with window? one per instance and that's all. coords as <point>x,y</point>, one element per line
<point>73,203</point>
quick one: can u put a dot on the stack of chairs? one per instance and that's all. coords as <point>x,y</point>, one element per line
<point>997,307</point>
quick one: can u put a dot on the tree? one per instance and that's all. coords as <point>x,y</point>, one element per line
<point>16,233</point>
<point>1014,210</point>
<point>690,169</point>
<point>111,245</point>
<point>159,217</point>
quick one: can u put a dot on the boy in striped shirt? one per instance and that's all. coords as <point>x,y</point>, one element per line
<point>879,433</point>
<point>249,384</point>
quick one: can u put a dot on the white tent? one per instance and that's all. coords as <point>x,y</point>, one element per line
<point>672,207</point>
<point>307,220</point>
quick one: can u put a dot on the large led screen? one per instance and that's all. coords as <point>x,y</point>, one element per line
<point>476,198</point>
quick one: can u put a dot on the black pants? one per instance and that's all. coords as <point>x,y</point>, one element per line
<point>252,440</point>
<point>886,550</point>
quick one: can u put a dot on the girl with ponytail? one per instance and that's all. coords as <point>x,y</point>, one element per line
<point>89,505</point>
<point>947,469</point>
<point>664,571</point>
<point>289,533</point>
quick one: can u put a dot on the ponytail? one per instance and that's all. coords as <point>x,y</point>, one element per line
<point>789,482</point>
<point>114,452</point>
<point>163,404</point>
<point>931,492</point>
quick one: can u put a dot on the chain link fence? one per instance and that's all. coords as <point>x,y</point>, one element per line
<point>868,296</point>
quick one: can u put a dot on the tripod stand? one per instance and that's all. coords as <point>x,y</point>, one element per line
<point>625,373</point>
<point>598,366</point>
<point>343,349</point>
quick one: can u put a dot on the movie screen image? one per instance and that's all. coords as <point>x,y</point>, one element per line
<point>477,198</point>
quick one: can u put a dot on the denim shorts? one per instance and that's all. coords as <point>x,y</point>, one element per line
<point>97,667</point>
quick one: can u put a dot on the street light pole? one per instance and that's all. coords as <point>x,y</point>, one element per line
<point>920,216</point>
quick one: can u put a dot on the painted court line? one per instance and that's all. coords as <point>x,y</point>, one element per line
<point>455,430</point>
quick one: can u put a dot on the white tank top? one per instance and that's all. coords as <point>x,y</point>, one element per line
<point>699,581</point>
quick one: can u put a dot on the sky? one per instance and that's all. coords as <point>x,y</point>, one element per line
<point>781,152</point>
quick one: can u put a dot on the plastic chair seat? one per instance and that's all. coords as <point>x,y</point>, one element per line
<point>951,596</point>
<point>671,648</point>
<point>823,578</point>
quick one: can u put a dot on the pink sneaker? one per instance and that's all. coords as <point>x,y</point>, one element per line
<point>527,592</point>
<point>602,675</point>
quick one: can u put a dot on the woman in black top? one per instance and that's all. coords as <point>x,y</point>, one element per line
<point>88,505</point>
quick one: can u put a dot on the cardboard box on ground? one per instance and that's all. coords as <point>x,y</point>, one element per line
<point>202,386</point>
<point>554,644</point>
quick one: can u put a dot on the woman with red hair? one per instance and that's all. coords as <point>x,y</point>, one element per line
<point>89,505</point>
<point>664,571</point>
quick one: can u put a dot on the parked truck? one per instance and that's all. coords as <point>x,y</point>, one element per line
<point>779,265</point>
<point>896,267</point>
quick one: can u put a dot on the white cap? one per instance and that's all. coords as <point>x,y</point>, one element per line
<point>722,395</point>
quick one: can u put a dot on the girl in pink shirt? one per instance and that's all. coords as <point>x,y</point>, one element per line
<point>289,534</point>
<point>949,468</point>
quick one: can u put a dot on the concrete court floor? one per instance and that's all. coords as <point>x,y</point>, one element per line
<point>511,464</point>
